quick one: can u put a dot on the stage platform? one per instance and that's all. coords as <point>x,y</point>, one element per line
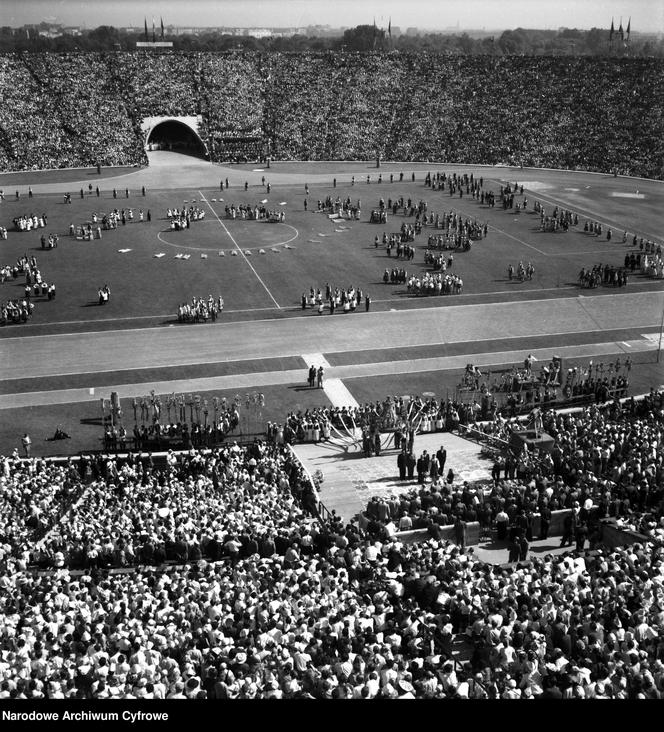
<point>351,480</point>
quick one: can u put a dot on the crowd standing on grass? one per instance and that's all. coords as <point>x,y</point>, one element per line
<point>20,310</point>
<point>335,299</point>
<point>181,218</point>
<point>200,310</point>
<point>52,117</point>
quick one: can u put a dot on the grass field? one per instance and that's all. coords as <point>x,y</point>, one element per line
<point>262,268</point>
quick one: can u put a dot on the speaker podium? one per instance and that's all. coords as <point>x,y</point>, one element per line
<point>540,440</point>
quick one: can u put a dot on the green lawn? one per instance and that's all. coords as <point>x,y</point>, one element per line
<point>146,289</point>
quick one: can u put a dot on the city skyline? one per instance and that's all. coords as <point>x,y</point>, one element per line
<point>646,15</point>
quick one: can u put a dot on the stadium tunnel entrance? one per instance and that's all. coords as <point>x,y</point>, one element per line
<point>176,135</point>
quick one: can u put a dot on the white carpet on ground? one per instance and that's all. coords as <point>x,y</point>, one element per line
<point>336,391</point>
<point>315,359</point>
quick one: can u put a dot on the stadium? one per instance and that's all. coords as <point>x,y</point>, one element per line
<point>331,375</point>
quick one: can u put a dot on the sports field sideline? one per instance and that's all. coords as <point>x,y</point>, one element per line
<point>264,339</point>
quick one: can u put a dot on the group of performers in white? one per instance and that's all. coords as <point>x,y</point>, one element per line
<point>30,222</point>
<point>200,310</point>
<point>182,218</point>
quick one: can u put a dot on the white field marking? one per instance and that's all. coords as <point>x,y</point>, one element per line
<point>587,212</point>
<point>592,251</point>
<point>521,241</point>
<point>625,343</point>
<point>615,194</point>
<point>571,190</point>
<point>495,228</point>
<point>214,249</point>
<point>315,359</point>
<point>258,277</point>
<point>337,392</point>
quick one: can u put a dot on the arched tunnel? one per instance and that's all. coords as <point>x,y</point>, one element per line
<point>174,135</point>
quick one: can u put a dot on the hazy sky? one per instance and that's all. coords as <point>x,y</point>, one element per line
<point>647,15</point>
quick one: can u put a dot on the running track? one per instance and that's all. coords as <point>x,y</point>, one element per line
<point>91,353</point>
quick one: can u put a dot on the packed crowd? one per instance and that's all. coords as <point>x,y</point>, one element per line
<point>275,602</point>
<point>311,609</point>
<point>52,117</point>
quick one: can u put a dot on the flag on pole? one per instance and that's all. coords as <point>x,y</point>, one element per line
<point>629,23</point>
<point>612,31</point>
<point>145,20</point>
<point>162,26</point>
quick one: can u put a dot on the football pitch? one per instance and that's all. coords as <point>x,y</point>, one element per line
<point>74,350</point>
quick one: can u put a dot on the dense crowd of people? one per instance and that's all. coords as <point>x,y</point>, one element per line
<point>53,117</point>
<point>257,596</point>
<point>229,580</point>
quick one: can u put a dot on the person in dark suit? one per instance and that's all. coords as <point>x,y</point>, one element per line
<point>423,467</point>
<point>402,464</point>
<point>460,532</point>
<point>521,522</point>
<point>545,522</point>
<point>514,550</point>
<point>441,456</point>
<point>581,535</point>
<point>569,529</point>
<point>411,462</point>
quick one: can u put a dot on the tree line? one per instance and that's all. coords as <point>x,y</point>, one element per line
<point>362,38</point>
